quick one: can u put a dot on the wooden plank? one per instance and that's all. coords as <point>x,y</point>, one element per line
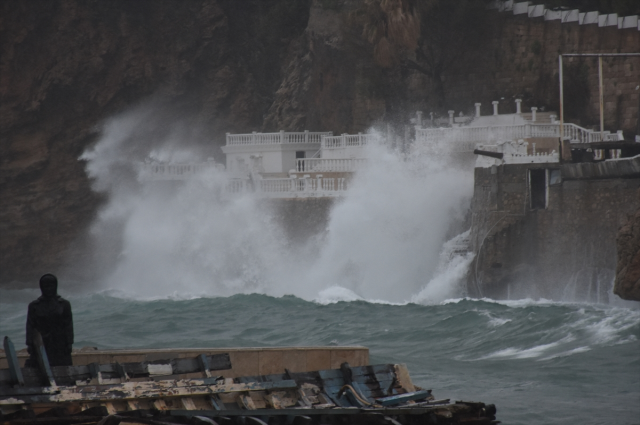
<point>403,398</point>
<point>142,390</point>
<point>43,360</point>
<point>188,403</point>
<point>14,365</point>
<point>203,363</point>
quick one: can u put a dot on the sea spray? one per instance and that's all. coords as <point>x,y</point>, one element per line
<point>450,274</point>
<point>382,239</point>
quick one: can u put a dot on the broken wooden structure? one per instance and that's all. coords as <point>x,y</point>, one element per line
<point>157,392</point>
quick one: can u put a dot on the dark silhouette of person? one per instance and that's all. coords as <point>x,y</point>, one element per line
<point>50,315</point>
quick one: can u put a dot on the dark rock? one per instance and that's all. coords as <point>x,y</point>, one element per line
<point>627,284</point>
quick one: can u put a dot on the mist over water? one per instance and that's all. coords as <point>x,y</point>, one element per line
<point>187,239</point>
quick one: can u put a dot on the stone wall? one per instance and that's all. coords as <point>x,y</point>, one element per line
<point>566,251</point>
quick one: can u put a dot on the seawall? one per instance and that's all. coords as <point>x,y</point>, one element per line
<point>563,248</point>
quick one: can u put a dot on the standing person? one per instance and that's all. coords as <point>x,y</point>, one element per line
<point>50,315</point>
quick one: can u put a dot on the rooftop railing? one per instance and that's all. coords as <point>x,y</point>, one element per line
<point>573,132</point>
<point>326,165</point>
<point>348,140</point>
<point>288,188</point>
<point>282,137</point>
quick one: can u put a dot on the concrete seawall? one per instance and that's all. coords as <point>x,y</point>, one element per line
<point>563,248</point>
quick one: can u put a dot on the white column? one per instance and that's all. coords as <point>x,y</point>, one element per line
<point>477,105</point>
<point>282,136</point>
<point>306,136</point>
<point>495,107</point>
<point>533,113</point>
<point>518,106</point>
<point>451,117</point>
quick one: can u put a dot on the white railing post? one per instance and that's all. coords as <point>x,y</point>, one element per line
<point>495,107</point>
<point>228,137</point>
<point>343,140</point>
<point>282,136</point>
<point>306,136</point>
<point>518,106</point>
<point>552,118</point>
<point>319,178</point>
<point>527,130</point>
<point>451,117</point>
<point>477,105</point>
<point>533,113</point>
<point>419,119</point>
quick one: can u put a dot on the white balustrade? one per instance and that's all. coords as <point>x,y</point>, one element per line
<point>347,140</point>
<point>573,132</point>
<point>325,165</point>
<point>281,137</point>
<point>305,187</point>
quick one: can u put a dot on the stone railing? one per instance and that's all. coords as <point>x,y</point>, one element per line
<point>157,171</point>
<point>281,137</point>
<point>325,165</point>
<point>574,133</point>
<point>301,188</point>
<point>348,140</point>
<point>287,188</point>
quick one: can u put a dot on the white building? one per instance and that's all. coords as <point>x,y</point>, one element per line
<point>270,153</point>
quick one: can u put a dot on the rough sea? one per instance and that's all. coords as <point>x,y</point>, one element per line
<point>179,266</point>
<point>539,362</point>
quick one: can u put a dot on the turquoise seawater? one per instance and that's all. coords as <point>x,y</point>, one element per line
<point>538,362</point>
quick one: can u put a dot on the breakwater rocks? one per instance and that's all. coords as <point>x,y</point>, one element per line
<point>627,284</point>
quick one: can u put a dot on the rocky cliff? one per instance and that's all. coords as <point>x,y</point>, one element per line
<point>221,66</point>
<point>66,66</point>
<point>627,284</point>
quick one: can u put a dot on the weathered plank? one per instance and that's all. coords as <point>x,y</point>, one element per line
<point>403,398</point>
<point>143,390</point>
<point>15,373</point>
<point>69,375</point>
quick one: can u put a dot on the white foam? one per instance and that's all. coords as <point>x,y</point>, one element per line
<point>335,294</point>
<point>520,353</point>
<point>182,241</point>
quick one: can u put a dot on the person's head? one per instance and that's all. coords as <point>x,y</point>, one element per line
<point>49,285</point>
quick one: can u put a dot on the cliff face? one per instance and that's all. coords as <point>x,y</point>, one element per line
<point>627,284</point>
<point>66,66</point>
<point>229,66</point>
